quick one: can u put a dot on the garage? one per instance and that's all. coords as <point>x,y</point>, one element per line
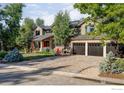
<point>79,48</point>
<point>95,49</point>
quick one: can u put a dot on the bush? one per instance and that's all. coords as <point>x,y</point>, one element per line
<point>2,54</point>
<point>106,66</point>
<point>13,56</point>
<point>118,66</point>
<point>111,65</point>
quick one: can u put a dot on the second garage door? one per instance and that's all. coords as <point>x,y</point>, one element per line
<point>79,48</point>
<point>95,49</point>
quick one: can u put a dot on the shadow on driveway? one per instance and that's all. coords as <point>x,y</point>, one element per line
<point>18,77</point>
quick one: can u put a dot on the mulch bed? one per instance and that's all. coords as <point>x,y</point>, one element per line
<point>110,75</point>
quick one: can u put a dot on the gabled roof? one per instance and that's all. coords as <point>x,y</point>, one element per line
<point>42,37</point>
<point>76,23</point>
<point>46,27</point>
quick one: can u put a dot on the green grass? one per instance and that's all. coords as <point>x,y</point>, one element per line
<point>31,56</point>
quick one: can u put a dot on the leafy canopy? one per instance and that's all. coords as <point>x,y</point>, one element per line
<point>61,28</point>
<point>10,17</point>
<point>109,19</point>
<point>39,22</point>
<point>26,33</point>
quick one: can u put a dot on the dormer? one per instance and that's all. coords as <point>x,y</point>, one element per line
<point>38,31</point>
<point>87,28</point>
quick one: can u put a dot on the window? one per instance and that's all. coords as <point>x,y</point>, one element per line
<point>89,28</point>
<point>37,33</point>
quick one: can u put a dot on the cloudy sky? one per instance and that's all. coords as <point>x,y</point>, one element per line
<point>47,11</point>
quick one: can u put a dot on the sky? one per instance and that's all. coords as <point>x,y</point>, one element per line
<point>47,11</point>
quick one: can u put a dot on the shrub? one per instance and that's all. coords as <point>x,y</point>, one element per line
<point>106,66</point>
<point>118,66</point>
<point>2,54</point>
<point>13,56</point>
<point>111,65</point>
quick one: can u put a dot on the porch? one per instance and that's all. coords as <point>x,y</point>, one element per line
<point>44,42</point>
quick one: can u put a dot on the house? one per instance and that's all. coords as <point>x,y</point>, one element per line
<point>42,39</point>
<point>81,43</point>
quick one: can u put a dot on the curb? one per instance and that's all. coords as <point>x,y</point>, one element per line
<point>97,78</point>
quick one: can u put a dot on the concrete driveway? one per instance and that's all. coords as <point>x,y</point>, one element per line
<point>40,71</point>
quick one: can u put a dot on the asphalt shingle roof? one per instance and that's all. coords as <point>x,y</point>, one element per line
<point>42,37</point>
<point>85,37</point>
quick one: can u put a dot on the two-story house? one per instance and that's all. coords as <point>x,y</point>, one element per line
<point>43,36</point>
<point>85,44</point>
<point>42,39</point>
<point>81,43</point>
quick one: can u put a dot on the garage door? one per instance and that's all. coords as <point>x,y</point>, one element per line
<point>79,48</point>
<point>95,49</point>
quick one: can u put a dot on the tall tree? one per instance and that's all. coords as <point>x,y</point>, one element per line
<point>26,34</point>
<point>109,19</point>
<point>39,22</point>
<point>11,16</point>
<point>61,28</point>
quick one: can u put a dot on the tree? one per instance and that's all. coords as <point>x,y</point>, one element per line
<point>11,16</point>
<point>61,28</point>
<point>39,22</point>
<point>109,19</point>
<point>26,34</point>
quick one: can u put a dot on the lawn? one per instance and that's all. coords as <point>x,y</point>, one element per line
<point>31,56</point>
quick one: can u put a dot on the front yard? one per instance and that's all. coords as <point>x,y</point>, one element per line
<point>37,55</point>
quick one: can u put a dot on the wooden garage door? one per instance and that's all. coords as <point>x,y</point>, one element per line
<point>79,48</point>
<point>95,49</point>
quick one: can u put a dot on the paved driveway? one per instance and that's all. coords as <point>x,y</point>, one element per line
<point>40,71</point>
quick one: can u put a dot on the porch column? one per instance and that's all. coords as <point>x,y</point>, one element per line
<point>41,46</point>
<point>50,43</point>
<point>104,50</point>
<point>71,45</point>
<point>86,48</point>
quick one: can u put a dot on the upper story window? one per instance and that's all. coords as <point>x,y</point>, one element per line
<point>37,33</point>
<point>46,31</point>
<point>89,28</point>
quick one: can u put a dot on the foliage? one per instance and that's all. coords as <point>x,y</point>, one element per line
<point>26,34</point>
<point>10,24</point>
<point>2,54</point>
<point>38,55</point>
<point>118,66</point>
<point>111,65</point>
<point>39,22</point>
<point>13,56</point>
<point>61,28</point>
<point>106,66</point>
<point>48,52</point>
<point>109,19</point>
